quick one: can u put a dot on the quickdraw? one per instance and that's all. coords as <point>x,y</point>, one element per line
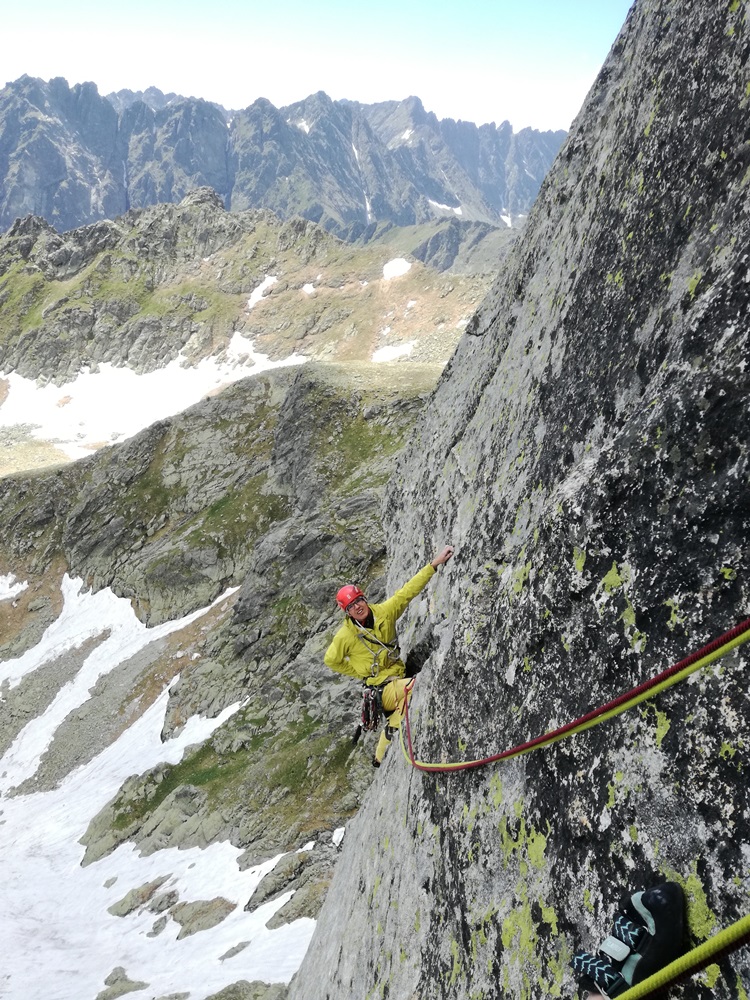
<point>372,707</point>
<point>371,712</point>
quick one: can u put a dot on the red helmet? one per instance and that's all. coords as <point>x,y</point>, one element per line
<point>348,594</point>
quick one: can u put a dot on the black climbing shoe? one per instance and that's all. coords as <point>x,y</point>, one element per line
<point>647,934</point>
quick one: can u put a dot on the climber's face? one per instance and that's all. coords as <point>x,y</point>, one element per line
<point>358,609</point>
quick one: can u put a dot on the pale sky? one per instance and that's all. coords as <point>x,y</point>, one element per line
<point>476,60</point>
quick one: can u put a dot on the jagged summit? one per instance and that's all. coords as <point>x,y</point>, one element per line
<point>152,97</point>
<point>338,163</point>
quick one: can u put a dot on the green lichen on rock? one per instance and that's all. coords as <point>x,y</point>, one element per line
<point>635,395</point>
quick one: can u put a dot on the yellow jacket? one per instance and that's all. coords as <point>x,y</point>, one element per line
<point>357,652</point>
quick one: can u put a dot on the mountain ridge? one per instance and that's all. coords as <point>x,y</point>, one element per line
<point>586,450</point>
<point>73,157</point>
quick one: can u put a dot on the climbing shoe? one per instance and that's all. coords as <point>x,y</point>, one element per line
<point>648,933</point>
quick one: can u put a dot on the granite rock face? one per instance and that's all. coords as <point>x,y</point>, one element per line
<point>586,450</point>
<point>57,147</point>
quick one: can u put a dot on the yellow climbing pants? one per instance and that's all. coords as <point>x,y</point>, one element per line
<point>395,694</point>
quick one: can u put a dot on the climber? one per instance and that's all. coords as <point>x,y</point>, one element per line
<point>366,646</point>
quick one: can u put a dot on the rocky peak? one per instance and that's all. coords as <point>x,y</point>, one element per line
<point>151,96</point>
<point>310,109</point>
<point>31,226</point>
<point>88,113</point>
<point>135,153</point>
<point>202,196</point>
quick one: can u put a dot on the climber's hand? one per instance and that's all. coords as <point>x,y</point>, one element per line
<point>443,556</point>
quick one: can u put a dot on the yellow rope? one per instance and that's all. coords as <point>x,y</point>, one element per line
<point>668,682</point>
<point>726,940</point>
<point>696,959</point>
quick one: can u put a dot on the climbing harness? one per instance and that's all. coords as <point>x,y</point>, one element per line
<point>369,639</point>
<point>372,707</point>
<point>695,661</point>
<point>372,710</point>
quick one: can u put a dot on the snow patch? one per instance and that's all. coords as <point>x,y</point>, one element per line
<point>98,408</point>
<point>8,589</point>
<point>60,910</point>
<point>507,220</point>
<point>302,124</point>
<point>391,353</point>
<point>338,835</point>
<point>446,208</point>
<point>356,153</point>
<point>84,615</point>
<point>308,289</point>
<point>111,404</point>
<point>240,350</point>
<point>258,293</point>
<point>396,268</point>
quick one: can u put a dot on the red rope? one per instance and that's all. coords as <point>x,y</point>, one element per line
<point>722,640</point>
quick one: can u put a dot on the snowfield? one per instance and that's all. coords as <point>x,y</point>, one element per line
<point>110,404</point>
<point>59,940</point>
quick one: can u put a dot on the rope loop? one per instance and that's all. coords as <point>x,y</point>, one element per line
<point>726,941</point>
<point>709,653</point>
